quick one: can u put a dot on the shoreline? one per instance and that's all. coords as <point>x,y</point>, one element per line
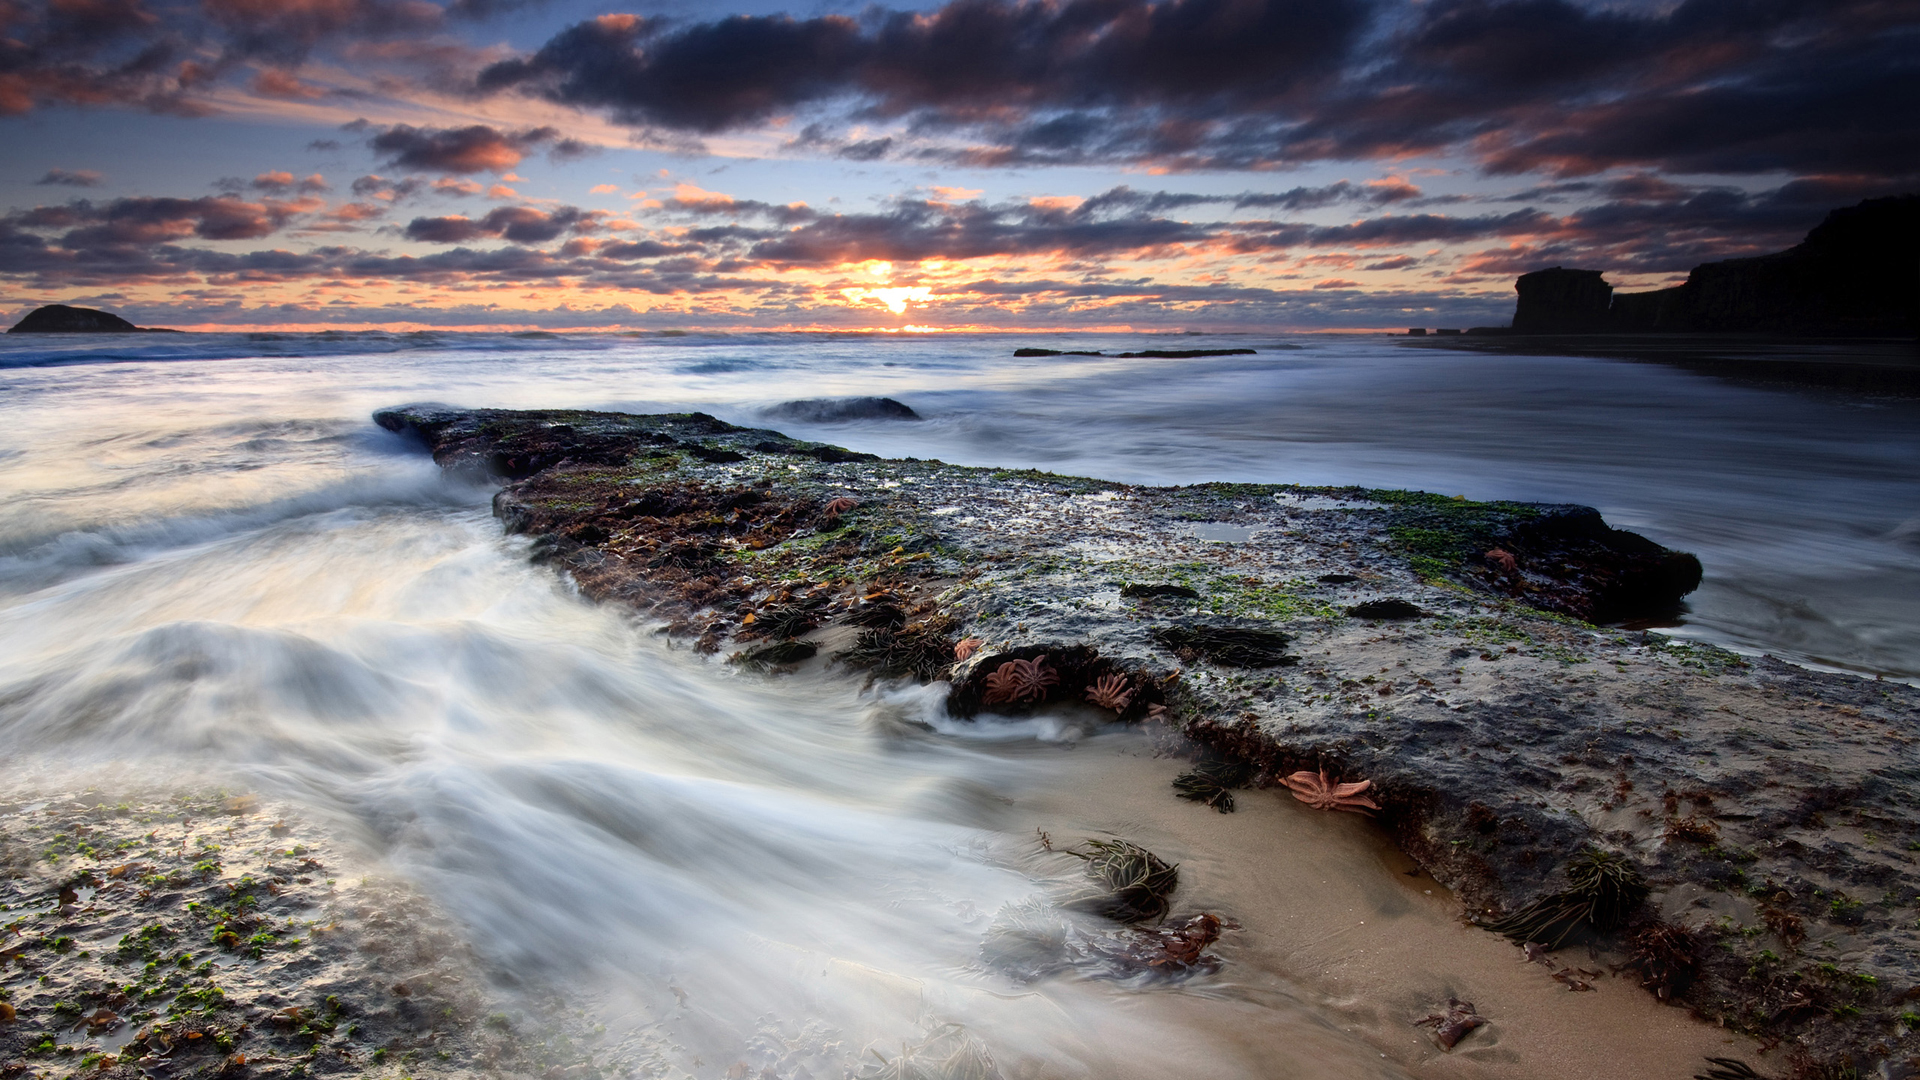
<point>1503,737</point>
<point>1876,366</point>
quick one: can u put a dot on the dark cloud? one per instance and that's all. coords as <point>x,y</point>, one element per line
<point>476,148</point>
<point>143,222</point>
<point>163,54</point>
<point>71,178</point>
<point>963,58</point>
<point>1743,86</point>
<point>518,224</point>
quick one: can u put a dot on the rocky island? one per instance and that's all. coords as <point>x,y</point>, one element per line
<point>1735,834</point>
<point>61,319</point>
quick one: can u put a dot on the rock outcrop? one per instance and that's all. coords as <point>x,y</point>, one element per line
<point>1437,647</point>
<point>1857,274</point>
<point>61,319</point>
<point>1561,301</point>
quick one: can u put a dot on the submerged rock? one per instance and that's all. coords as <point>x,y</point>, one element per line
<point>839,410</point>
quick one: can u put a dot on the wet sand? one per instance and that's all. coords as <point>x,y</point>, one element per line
<point>1332,918</point>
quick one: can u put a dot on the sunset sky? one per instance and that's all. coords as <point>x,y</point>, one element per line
<point>1088,164</point>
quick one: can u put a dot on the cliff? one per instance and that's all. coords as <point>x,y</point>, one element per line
<point>1856,274</point>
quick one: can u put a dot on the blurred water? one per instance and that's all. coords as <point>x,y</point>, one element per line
<point>1803,505</point>
<point>211,561</point>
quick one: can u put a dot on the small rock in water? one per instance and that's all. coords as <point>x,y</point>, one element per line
<point>837,410</point>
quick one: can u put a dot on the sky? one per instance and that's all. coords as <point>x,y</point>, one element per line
<point>1149,165</point>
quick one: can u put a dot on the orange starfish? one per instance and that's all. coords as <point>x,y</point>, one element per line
<point>966,648</point>
<point>1018,680</point>
<point>1111,691</point>
<point>839,506</point>
<point>1321,793</point>
<point>1502,560</point>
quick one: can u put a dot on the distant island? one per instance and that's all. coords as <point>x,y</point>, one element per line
<point>1857,274</point>
<point>1153,354</point>
<point>61,319</point>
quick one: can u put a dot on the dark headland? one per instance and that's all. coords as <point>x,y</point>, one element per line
<point>62,319</point>
<point>1839,309</point>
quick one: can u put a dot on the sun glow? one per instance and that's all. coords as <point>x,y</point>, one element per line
<point>895,299</point>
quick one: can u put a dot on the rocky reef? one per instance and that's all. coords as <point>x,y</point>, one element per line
<point>1755,819</point>
<point>1855,275</point>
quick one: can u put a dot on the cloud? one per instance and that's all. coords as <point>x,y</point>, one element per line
<point>968,56</point>
<point>471,149</point>
<point>518,224</point>
<point>276,83</point>
<point>281,182</point>
<point>142,222</point>
<point>1802,86</point>
<point>71,178</point>
<point>385,189</point>
<point>165,55</point>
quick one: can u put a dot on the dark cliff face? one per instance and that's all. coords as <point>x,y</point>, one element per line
<point>1856,274</point>
<point>1560,301</point>
<point>61,319</point>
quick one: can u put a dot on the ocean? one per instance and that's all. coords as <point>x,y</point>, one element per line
<point>214,568</point>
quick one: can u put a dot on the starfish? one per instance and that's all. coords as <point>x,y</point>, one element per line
<point>1503,561</point>
<point>1111,691</point>
<point>966,648</point>
<point>1019,680</point>
<point>1321,793</point>
<point>839,506</point>
<point>1452,1025</point>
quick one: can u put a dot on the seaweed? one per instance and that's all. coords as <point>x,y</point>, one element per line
<point>1604,888</point>
<point>1150,591</point>
<point>922,650</point>
<point>1212,784</point>
<point>1729,1069</point>
<point>949,1052</point>
<point>1665,957</point>
<point>1228,646</point>
<point>882,616</point>
<point>1136,882</point>
<point>777,654</point>
<point>789,620</point>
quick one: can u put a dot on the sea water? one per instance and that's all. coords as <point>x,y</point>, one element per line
<point>213,565</point>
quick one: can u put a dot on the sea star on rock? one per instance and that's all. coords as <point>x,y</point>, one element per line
<point>966,648</point>
<point>1111,691</point>
<point>1503,561</point>
<point>1020,680</point>
<point>839,506</point>
<point>1321,793</point>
